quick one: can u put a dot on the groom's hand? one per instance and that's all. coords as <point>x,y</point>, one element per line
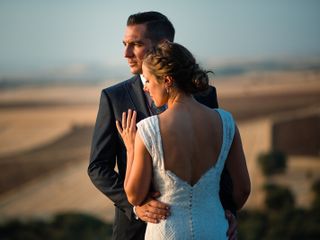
<point>152,210</point>
<point>232,232</point>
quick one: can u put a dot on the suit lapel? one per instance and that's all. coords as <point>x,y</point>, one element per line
<point>138,98</point>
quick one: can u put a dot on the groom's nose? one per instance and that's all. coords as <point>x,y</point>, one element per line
<point>128,51</point>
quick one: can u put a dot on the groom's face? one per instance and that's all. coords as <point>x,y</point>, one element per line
<point>135,46</point>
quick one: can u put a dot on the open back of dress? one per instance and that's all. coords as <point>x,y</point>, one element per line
<point>196,211</point>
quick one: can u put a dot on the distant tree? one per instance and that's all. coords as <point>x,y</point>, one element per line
<point>62,227</point>
<point>316,200</point>
<point>272,162</point>
<point>316,187</point>
<point>252,224</point>
<point>281,220</point>
<point>291,224</point>
<point>278,197</point>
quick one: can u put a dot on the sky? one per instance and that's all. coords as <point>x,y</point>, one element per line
<point>39,35</point>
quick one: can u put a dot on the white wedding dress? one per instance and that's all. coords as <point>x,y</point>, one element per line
<point>196,211</point>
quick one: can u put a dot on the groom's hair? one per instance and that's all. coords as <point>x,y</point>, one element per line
<point>158,26</point>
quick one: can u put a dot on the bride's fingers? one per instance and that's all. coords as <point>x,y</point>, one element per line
<point>133,120</point>
<point>124,120</point>
<point>129,118</point>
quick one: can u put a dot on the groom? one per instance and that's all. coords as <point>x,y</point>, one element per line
<point>108,152</point>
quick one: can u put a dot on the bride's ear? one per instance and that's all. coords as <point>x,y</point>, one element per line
<point>168,81</point>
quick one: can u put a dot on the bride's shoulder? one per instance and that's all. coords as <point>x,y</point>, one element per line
<point>147,121</point>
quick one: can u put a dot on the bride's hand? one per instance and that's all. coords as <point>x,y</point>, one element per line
<point>127,128</point>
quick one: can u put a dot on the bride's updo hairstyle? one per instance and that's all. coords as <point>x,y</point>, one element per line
<point>173,59</point>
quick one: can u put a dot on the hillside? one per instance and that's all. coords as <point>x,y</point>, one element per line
<point>38,162</point>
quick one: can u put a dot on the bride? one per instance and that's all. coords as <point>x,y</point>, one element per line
<point>181,152</point>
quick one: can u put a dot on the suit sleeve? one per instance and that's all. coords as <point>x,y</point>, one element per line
<point>105,143</point>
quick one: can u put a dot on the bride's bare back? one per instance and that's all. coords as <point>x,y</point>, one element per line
<point>191,138</point>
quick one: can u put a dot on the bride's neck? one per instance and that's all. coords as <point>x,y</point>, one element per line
<point>179,98</point>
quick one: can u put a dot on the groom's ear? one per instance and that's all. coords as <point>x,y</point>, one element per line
<point>168,81</point>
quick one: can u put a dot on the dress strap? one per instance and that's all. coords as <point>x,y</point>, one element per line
<point>228,125</point>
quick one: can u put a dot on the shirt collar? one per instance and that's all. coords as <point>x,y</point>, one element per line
<point>143,80</point>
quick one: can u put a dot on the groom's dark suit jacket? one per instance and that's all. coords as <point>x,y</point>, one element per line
<point>108,152</point>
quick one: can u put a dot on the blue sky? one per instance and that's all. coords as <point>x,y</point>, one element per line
<point>43,34</point>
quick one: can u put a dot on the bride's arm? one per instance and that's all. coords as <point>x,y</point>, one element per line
<point>139,173</point>
<point>139,168</point>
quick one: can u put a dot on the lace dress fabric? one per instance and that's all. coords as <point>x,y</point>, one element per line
<point>196,211</point>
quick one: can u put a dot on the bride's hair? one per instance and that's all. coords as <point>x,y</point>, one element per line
<point>173,59</point>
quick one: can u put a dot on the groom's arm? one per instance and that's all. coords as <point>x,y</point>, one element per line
<point>104,150</point>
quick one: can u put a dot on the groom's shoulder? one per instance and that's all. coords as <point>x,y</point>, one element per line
<point>208,97</point>
<point>119,87</point>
